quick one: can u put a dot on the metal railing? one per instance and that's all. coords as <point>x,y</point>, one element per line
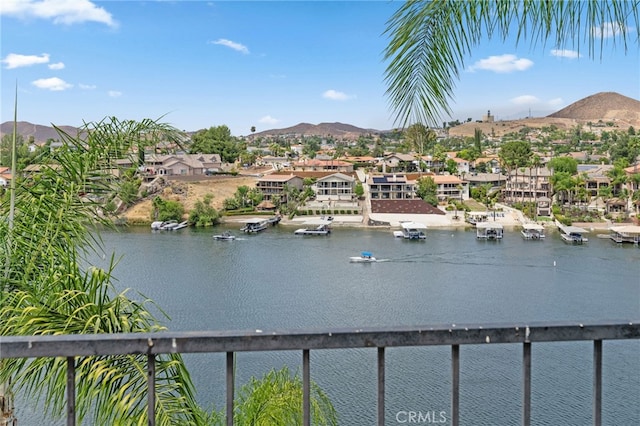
<point>230,342</point>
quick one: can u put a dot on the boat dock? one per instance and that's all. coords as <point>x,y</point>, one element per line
<point>532,231</point>
<point>411,231</point>
<point>625,234</point>
<point>572,234</point>
<point>489,231</point>
<point>315,227</point>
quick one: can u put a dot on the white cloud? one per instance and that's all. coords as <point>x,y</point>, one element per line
<point>87,86</point>
<point>524,100</point>
<point>114,94</point>
<point>502,64</point>
<point>334,95</point>
<point>54,84</point>
<point>556,102</point>
<point>14,60</point>
<point>564,53</point>
<point>56,66</point>
<point>267,119</point>
<point>59,11</point>
<point>610,29</point>
<point>232,45</point>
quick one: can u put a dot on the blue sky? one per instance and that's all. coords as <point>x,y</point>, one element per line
<point>264,64</point>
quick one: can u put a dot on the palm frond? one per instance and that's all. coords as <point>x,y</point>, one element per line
<point>429,41</point>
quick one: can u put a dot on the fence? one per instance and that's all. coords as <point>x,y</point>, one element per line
<point>152,344</point>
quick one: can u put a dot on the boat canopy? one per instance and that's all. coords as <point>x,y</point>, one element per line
<point>489,225</point>
<point>366,254</point>
<point>572,229</point>
<point>533,226</point>
<point>255,220</point>
<point>626,229</point>
<point>317,222</point>
<point>413,225</point>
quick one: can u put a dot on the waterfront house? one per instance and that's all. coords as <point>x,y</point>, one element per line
<point>596,177</point>
<point>527,184</point>
<point>335,187</point>
<point>273,186</point>
<point>391,187</point>
<point>451,187</point>
<point>494,180</point>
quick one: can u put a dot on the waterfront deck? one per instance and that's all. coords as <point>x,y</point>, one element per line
<point>230,342</point>
<point>625,234</point>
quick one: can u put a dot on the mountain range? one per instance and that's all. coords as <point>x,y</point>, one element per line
<point>605,106</point>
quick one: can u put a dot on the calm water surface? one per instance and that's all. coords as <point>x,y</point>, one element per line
<point>277,280</point>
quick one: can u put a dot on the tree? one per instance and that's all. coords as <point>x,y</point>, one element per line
<point>429,41</point>
<point>513,155</point>
<point>203,214</point>
<point>48,287</point>
<point>427,189</point>
<point>477,142</point>
<point>217,140</point>
<point>564,165</point>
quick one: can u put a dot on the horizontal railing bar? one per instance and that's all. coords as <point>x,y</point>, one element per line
<point>241,341</point>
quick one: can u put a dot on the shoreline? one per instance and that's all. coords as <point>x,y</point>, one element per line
<point>392,221</point>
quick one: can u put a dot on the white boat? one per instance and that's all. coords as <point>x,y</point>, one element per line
<point>168,225</point>
<point>572,234</point>
<point>489,230</point>
<point>365,257</point>
<point>255,225</point>
<point>317,227</point>
<point>532,231</point>
<point>411,231</point>
<point>225,236</point>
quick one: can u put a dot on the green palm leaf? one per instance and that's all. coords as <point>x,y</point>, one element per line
<point>429,41</point>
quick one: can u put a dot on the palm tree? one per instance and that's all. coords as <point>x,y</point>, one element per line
<point>47,289</point>
<point>429,41</point>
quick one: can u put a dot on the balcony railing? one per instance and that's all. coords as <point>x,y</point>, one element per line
<point>229,342</point>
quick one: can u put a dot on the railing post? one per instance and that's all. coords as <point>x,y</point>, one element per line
<point>597,382</point>
<point>526,377</point>
<point>381,386</point>
<point>151,385</point>
<point>230,387</point>
<point>455,385</point>
<point>306,388</point>
<point>71,391</point>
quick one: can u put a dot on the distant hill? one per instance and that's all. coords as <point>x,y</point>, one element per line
<point>606,106</point>
<point>39,133</point>
<point>338,130</point>
<point>602,106</point>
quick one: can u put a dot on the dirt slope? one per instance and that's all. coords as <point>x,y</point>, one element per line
<point>188,192</point>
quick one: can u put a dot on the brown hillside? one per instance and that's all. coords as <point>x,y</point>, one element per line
<point>605,106</point>
<point>338,130</point>
<point>602,106</point>
<point>39,133</point>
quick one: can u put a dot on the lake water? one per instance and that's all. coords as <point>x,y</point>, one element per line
<point>277,280</point>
